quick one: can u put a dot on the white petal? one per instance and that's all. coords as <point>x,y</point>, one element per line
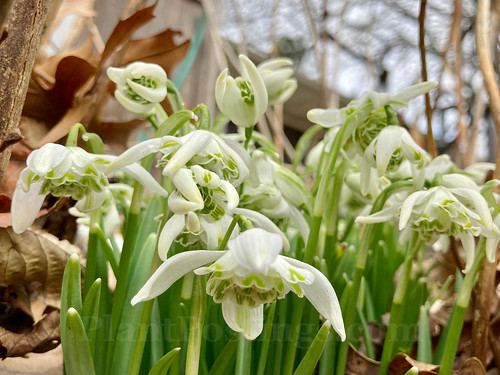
<point>172,270</point>
<point>322,296</point>
<point>262,222</point>
<point>413,91</point>
<point>480,204</point>
<point>491,248</point>
<point>145,179</point>
<point>183,181</point>
<point>172,228</point>
<point>407,207</point>
<point>388,141</point>
<point>180,206</point>
<point>387,214</point>
<point>25,206</point>
<point>137,152</point>
<point>91,201</point>
<point>243,319</point>
<point>116,75</point>
<point>139,109</point>
<point>378,99</point>
<point>232,195</point>
<point>45,159</point>
<point>326,117</point>
<point>148,93</point>
<point>198,140</point>
<point>250,72</point>
<point>469,246</point>
<point>300,222</point>
<point>256,249</point>
<point>220,88</point>
<point>193,222</point>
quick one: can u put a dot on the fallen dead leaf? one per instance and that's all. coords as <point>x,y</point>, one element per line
<point>401,363</point>
<point>35,260</point>
<point>472,366</point>
<point>43,337</point>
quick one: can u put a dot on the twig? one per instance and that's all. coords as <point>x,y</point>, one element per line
<point>431,144</point>
<point>455,39</point>
<point>483,47</point>
<point>477,115</point>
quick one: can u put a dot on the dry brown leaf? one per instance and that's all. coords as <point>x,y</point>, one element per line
<point>16,311</point>
<point>43,337</point>
<point>35,260</point>
<point>359,364</point>
<point>160,49</point>
<point>472,366</point>
<point>62,128</point>
<point>401,363</point>
<point>123,31</point>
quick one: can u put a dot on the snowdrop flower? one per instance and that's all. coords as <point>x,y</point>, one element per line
<point>243,99</point>
<point>245,277</point>
<point>139,86</point>
<point>391,146</point>
<point>276,192</point>
<point>335,117</point>
<point>195,208</point>
<point>439,212</point>
<point>386,153</point>
<point>277,75</point>
<point>69,172</point>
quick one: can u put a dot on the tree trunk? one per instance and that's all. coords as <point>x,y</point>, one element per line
<point>18,45</point>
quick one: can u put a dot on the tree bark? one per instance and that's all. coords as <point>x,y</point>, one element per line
<point>18,47</point>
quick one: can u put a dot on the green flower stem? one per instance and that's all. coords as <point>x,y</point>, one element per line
<point>248,136</point>
<point>326,174</point>
<point>94,142</point>
<point>332,211</point>
<point>291,348</point>
<point>458,316</point>
<point>161,112</point>
<point>142,333</point>
<point>92,261</point>
<point>107,249</point>
<point>243,356</point>
<point>154,121</point>
<point>174,96</point>
<point>366,238</point>
<point>229,231</point>
<point>266,337</point>
<point>198,309</point>
<point>204,118</point>
<point>397,308</point>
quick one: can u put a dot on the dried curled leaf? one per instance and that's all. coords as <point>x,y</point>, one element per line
<point>43,337</point>
<point>35,260</point>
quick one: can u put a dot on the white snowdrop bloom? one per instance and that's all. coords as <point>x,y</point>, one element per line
<point>139,87</point>
<point>277,75</point>
<point>245,277</point>
<point>243,99</point>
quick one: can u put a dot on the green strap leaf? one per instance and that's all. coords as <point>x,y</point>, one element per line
<point>77,358</point>
<point>161,367</point>
<point>90,313</point>
<point>311,358</point>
